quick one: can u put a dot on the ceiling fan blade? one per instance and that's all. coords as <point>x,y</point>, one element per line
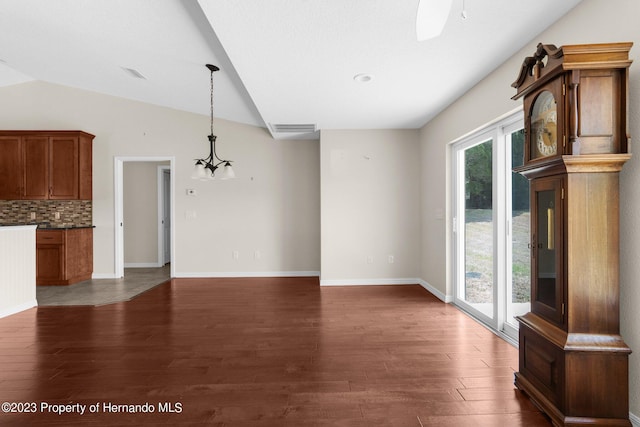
<point>431,17</point>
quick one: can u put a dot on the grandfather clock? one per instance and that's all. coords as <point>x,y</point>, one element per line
<point>573,361</point>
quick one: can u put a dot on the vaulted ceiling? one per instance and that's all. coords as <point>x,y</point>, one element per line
<point>283,62</point>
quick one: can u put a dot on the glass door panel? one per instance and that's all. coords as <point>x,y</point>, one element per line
<point>478,228</point>
<point>519,282</point>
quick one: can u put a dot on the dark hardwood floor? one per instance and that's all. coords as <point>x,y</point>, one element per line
<point>260,352</point>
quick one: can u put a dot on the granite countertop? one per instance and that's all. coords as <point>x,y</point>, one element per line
<point>62,226</point>
<point>49,226</point>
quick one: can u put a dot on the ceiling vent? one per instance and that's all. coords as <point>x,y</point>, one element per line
<point>292,128</point>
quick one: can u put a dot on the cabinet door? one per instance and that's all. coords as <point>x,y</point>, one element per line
<point>11,170</point>
<point>63,168</point>
<point>85,168</point>
<point>49,263</point>
<point>79,253</point>
<point>547,231</point>
<point>36,167</point>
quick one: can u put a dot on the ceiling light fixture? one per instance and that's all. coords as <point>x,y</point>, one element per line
<point>431,17</point>
<point>134,73</point>
<point>205,169</point>
<point>363,77</point>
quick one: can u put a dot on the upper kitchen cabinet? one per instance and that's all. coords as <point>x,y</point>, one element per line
<point>11,175</point>
<point>38,165</point>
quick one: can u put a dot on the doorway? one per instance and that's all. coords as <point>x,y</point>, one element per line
<point>165,188</point>
<point>164,215</point>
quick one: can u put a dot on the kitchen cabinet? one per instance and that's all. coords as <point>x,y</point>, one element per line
<point>11,175</point>
<point>64,256</point>
<point>40,165</point>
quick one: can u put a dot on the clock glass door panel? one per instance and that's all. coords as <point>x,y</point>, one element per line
<point>544,126</point>
<point>546,251</point>
<point>546,243</point>
<point>545,118</point>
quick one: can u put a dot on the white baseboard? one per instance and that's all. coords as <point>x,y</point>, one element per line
<point>219,274</point>
<point>378,282</point>
<point>442,297</point>
<point>8,311</point>
<point>142,265</point>
<point>635,420</point>
<point>104,276</point>
<point>368,282</point>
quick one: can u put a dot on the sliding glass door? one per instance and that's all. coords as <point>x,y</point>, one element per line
<point>491,225</point>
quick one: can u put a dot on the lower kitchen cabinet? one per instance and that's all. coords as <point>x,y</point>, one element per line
<point>64,256</point>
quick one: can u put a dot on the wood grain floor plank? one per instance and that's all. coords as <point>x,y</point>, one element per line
<point>263,352</point>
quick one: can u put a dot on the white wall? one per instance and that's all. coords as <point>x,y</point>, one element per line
<point>592,21</point>
<point>370,206</point>
<point>140,212</point>
<point>272,207</point>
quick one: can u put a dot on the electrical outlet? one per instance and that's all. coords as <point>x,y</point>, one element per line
<point>33,215</point>
<point>257,255</point>
<point>392,259</point>
<point>235,255</point>
<point>56,215</point>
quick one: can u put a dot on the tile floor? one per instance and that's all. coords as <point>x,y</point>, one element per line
<point>104,291</point>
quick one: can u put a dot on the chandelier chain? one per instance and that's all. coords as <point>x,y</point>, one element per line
<point>211,102</point>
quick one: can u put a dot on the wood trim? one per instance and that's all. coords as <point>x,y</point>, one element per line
<point>546,329</point>
<point>595,162</point>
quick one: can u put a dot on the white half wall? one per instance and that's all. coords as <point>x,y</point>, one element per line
<point>17,269</point>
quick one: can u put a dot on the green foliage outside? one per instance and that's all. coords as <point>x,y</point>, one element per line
<point>478,216</point>
<point>479,175</point>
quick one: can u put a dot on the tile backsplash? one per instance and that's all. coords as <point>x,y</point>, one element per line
<point>70,212</point>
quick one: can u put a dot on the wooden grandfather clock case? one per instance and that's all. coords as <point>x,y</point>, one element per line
<point>573,361</point>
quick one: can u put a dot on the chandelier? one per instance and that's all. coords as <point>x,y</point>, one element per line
<point>206,168</point>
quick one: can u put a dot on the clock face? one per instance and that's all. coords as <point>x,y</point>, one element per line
<point>544,126</point>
